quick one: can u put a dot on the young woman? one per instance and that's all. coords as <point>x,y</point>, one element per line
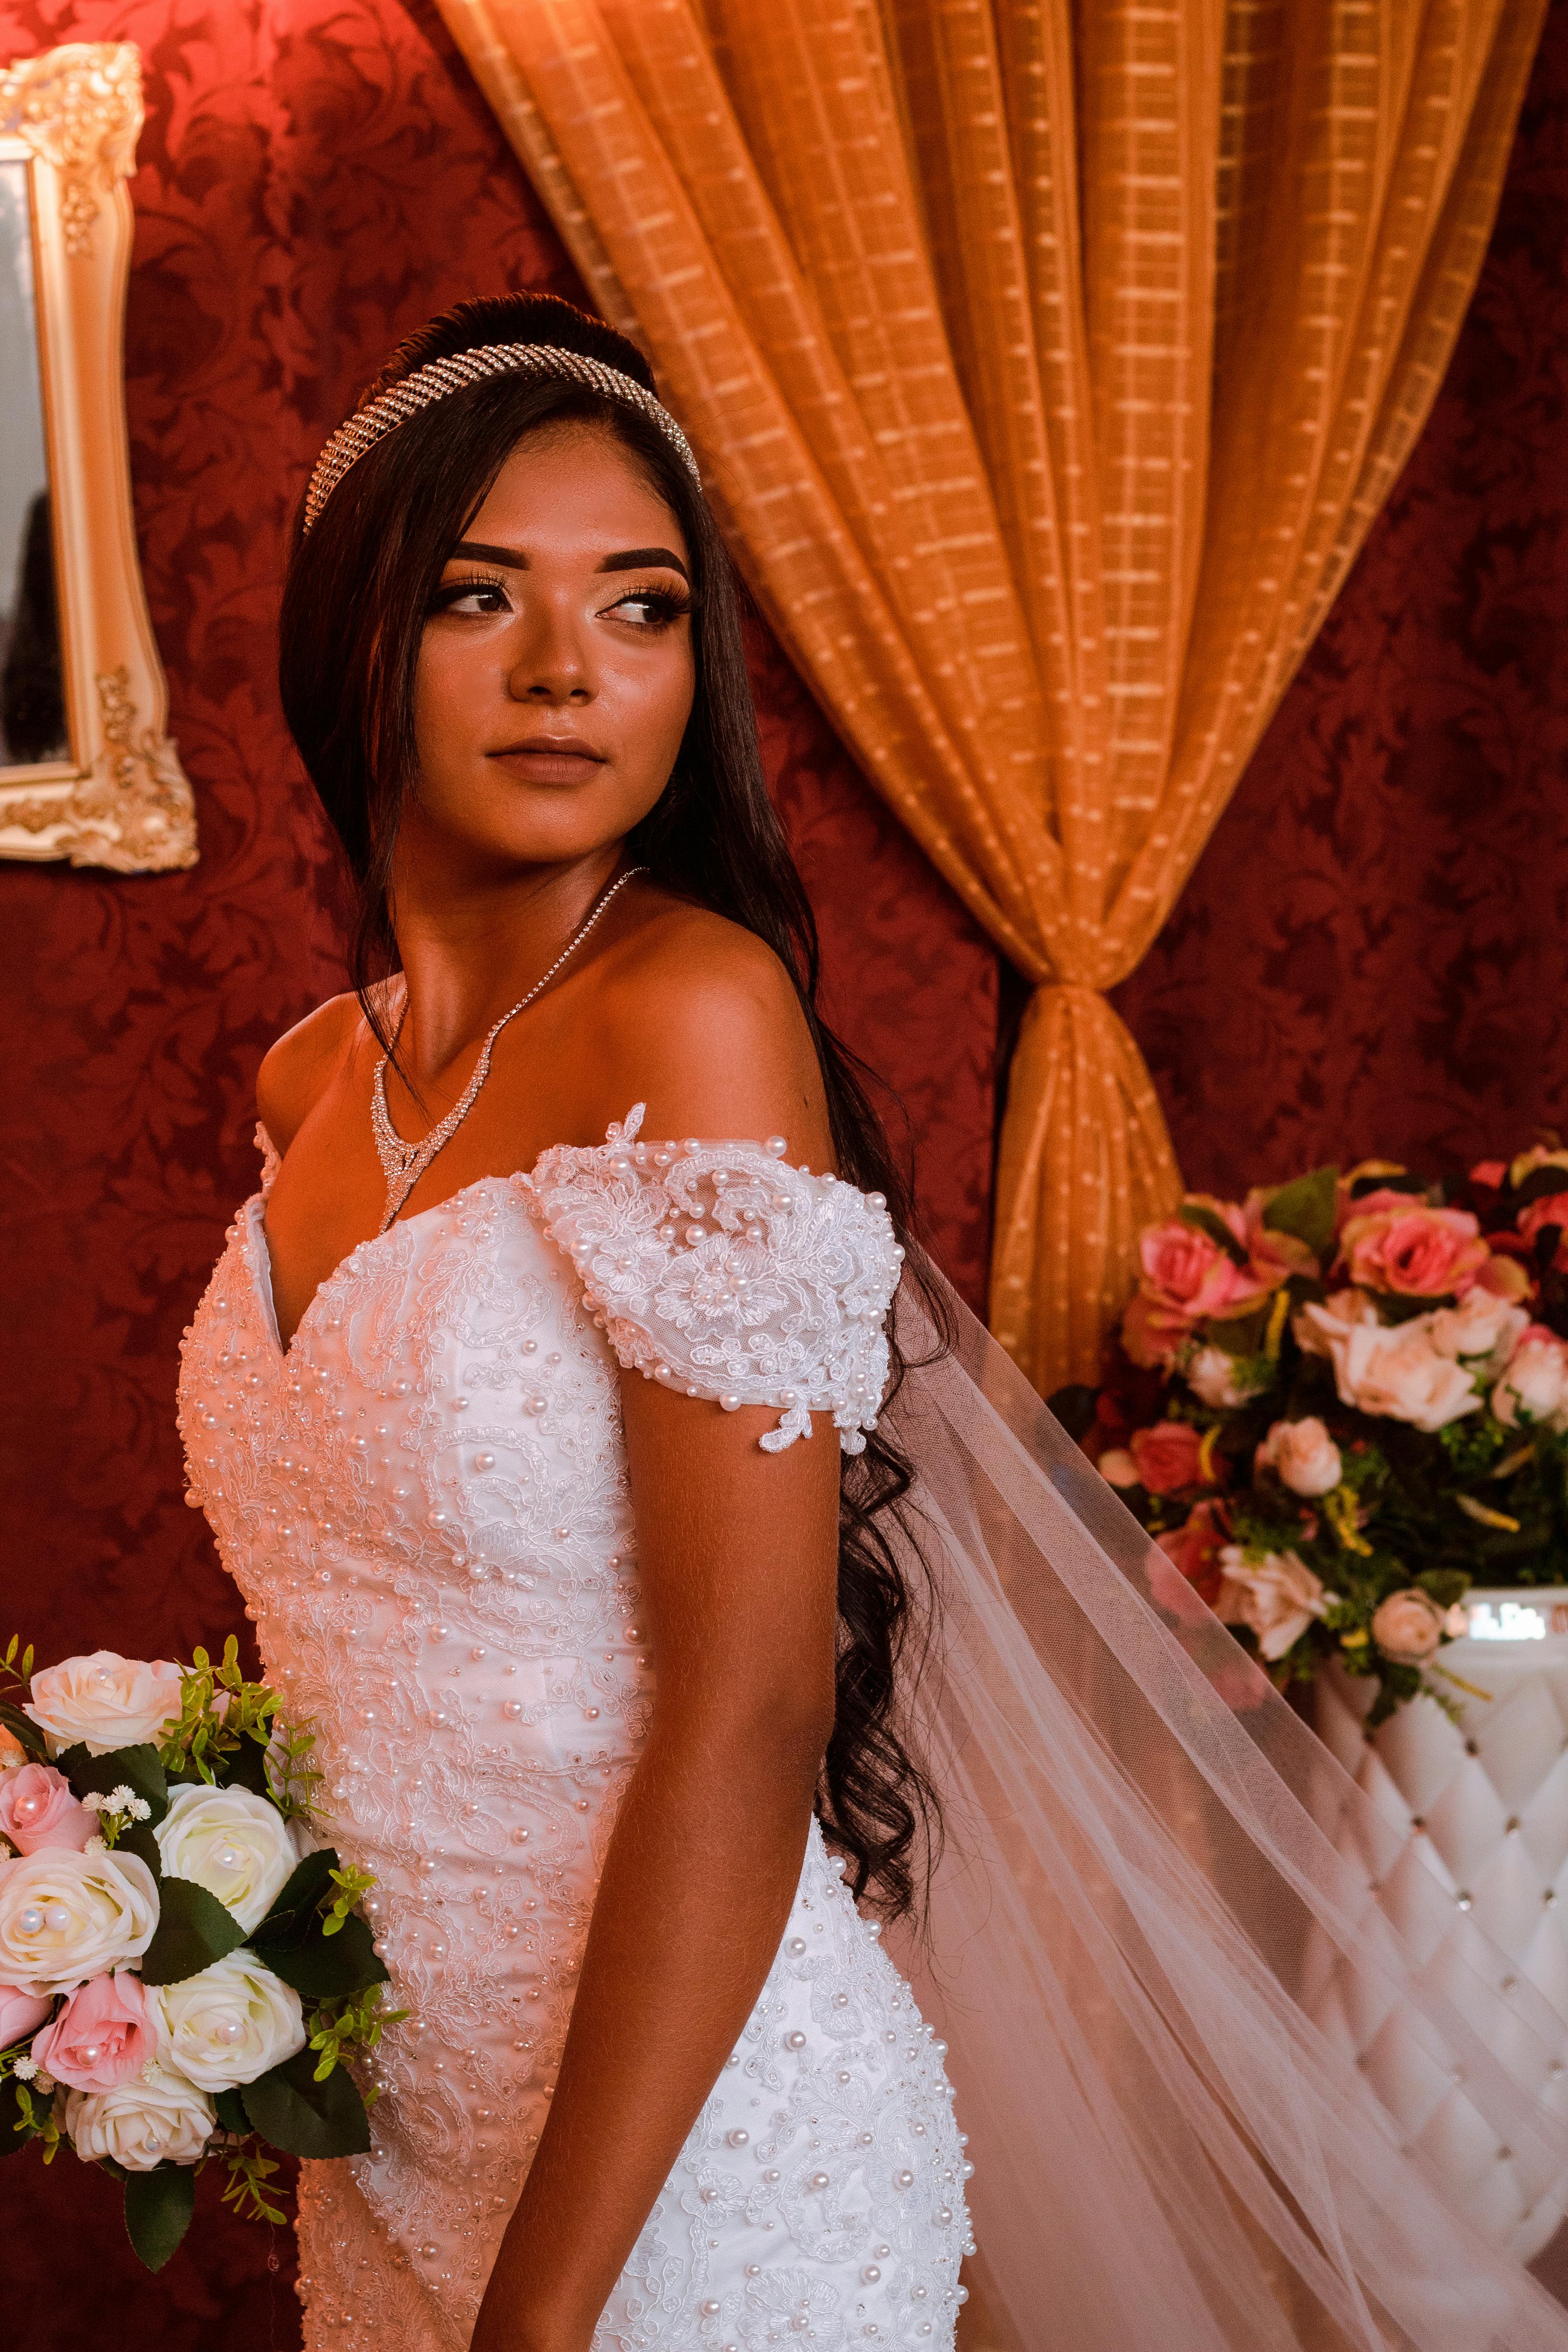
<point>544,1406</point>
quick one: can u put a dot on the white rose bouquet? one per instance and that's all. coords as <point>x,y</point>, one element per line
<point>1339,1403</point>
<point>182,1970</point>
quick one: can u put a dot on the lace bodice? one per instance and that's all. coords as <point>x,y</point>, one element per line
<point>424,1500</point>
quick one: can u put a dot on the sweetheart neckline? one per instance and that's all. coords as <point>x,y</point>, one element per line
<point>259,1257</point>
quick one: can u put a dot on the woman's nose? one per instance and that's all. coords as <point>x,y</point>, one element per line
<point>550,663</point>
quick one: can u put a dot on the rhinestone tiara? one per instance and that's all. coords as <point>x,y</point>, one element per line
<point>400,401</point>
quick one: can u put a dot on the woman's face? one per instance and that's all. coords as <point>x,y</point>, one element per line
<point>555,672</point>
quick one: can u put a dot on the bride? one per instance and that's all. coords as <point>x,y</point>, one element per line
<point>672,1614</point>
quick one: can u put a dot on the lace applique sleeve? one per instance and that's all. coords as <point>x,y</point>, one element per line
<point>271,1161</point>
<point>718,1268</point>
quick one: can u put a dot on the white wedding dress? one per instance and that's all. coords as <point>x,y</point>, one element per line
<point>425,1504</point>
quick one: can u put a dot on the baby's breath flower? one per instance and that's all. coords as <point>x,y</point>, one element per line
<point>24,2069</point>
<point>140,1810</point>
<point>95,1845</point>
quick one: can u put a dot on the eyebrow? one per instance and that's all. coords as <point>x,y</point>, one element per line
<point>629,558</point>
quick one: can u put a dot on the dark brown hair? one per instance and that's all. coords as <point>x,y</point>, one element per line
<point>358,590</point>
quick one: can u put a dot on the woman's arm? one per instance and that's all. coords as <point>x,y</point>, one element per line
<point>738,1556</point>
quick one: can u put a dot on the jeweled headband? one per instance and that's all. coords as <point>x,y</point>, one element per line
<point>400,401</point>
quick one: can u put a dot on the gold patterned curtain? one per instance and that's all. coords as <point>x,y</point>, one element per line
<point>1046,364</point>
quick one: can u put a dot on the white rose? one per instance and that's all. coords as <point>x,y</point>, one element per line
<point>1277,1596</point>
<point>156,2117</point>
<point>1315,1326</point>
<point>1302,1455</point>
<point>1393,1370</point>
<point>231,2022</point>
<point>105,1700</point>
<point>66,1916</point>
<point>1481,1325</point>
<point>229,1841</point>
<point>1211,1375</point>
<point>1534,1388</point>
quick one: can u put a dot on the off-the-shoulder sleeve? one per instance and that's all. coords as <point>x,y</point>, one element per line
<point>270,1160</point>
<point>720,1269</point>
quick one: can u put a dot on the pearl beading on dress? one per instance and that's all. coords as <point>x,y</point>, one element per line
<point>393,407</point>
<point>424,1502</point>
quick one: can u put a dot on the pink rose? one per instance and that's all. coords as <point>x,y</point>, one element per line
<point>1420,1252</point>
<point>1151,1333</point>
<point>38,1810</point>
<point>1186,1271</point>
<point>101,2037</point>
<point>1195,1549</point>
<point>1169,1456</point>
<point>1489,1173</point>
<point>1407,1627</point>
<point>21,2013</point>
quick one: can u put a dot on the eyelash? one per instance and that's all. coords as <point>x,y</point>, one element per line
<point>666,604</point>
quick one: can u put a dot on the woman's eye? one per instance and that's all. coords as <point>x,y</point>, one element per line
<point>472,596</point>
<point>653,608</point>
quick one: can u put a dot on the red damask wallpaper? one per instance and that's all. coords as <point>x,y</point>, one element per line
<point>1371,953</point>
<point>1371,956</point>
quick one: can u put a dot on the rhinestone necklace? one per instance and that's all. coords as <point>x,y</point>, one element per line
<point>403,1164</point>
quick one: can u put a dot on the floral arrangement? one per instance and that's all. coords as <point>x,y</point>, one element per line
<point>1339,1405</point>
<point>182,1969</point>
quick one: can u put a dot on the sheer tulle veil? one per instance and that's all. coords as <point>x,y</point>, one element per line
<point>1153,1880</point>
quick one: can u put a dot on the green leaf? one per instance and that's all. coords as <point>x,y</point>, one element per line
<point>1208,1221</point>
<point>321,1968</point>
<point>136,1768</point>
<point>140,1841</point>
<point>158,2209</point>
<point>298,1895</point>
<point>24,1729</point>
<point>13,2132</point>
<point>246,1769</point>
<point>229,2108</point>
<point>193,1930</point>
<point>1305,1208</point>
<point>1445,1585</point>
<point>303,2117</point>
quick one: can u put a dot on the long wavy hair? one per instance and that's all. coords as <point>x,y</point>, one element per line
<point>359,586</point>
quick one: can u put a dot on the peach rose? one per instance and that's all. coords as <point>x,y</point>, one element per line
<point>1302,1456</point>
<point>1407,1627</point>
<point>1186,1270</point>
<point>1416,1251</point>
<point>1216,1377</point>
<point>1504,1275</point>
<point>12,1755</point>
<point>37,1809</point>
<point>1195,1548</point>
<point>1482,1325</point>
<point>105,2033</point>
<point>1489,1173</point>
<point>1117,1467</point>
<point>1277,1596</point>
<point>21,2013</point>
<point>1314,1325</point>
<point>1169,1456</point>
<point>1534,1385</point>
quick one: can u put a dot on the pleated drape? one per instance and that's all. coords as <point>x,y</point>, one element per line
<point>1046,365</point>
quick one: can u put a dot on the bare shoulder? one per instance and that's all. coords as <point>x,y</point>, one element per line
<point>699,1020</point>
<point>296,1070</point>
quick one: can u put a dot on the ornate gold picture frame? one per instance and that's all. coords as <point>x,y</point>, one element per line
<point>97,782</point>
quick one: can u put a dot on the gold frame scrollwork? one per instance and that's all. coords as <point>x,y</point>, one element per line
<point>121,800</point>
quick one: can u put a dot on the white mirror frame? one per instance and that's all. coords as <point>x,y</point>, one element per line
<point>121,800</point>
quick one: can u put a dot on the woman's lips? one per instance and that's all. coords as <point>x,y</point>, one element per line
<point>546,759</point>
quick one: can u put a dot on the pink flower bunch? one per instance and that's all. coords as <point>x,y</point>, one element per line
<point>1189,1276</point>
